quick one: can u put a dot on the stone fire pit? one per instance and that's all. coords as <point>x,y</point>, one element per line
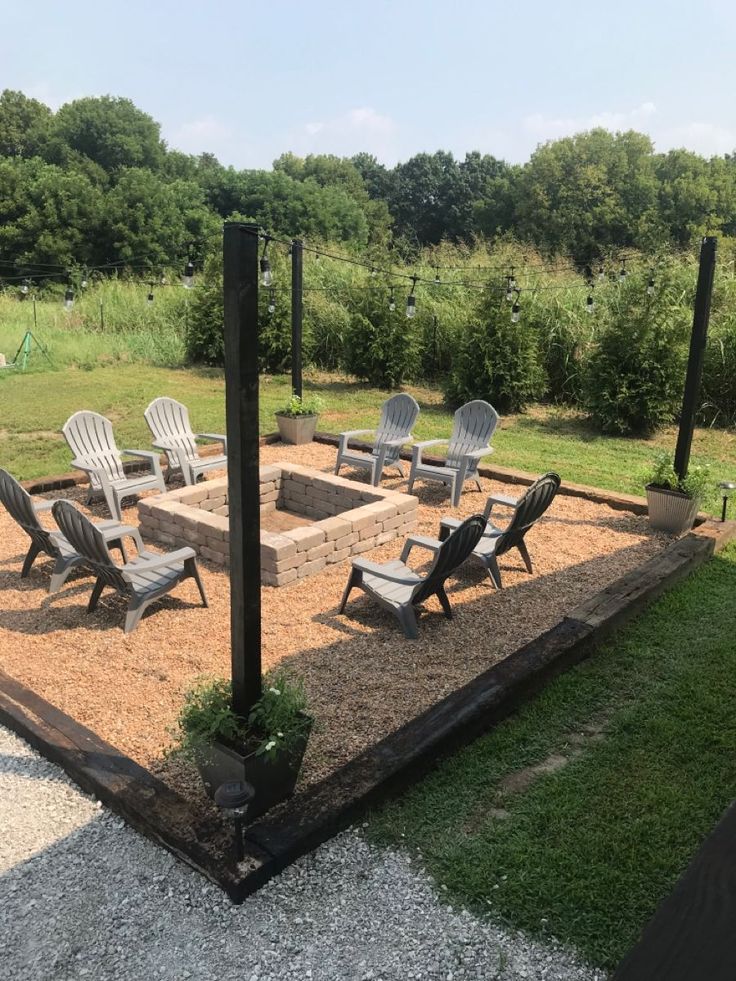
<point>340,518</point>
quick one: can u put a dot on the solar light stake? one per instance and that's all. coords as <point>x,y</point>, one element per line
<point>727,487</point>
<point>235,797</point>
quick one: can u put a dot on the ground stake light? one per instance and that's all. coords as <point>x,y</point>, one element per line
<point>727,488</point>
<point>234,798</point>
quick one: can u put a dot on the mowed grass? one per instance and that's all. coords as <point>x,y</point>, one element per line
<point>34,406</point>
<point>588,851</point>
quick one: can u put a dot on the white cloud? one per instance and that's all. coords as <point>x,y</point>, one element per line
<point>351,132</point>
<point>552,127</point>
<point>205,135</point>
<point>708,139</point>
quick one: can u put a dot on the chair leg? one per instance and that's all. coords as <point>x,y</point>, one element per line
<point>478,484</point>
<point>30,558</point>
<point>113,504</point>
<point>191,567</point>
<point>525,556</point>
<point>95,597</point>
<point>62,568</point>
<point>493,571</point>
<point>338,464</point>
<point>456,490</point>
<point>410,486</point>
<point>136,610</point>
<point>408,620</point>
<point>354,579</point>
<point>444,602</point>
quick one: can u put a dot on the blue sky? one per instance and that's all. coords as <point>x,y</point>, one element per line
<point>249,80</point>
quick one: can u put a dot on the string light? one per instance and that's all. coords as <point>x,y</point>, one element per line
<point>509,290</point>
<point>187,279</point>
<point>68,298</point>
<point>650,285</point>
<point>271,301</point>
<point>512,280</point>
<point>590,303</point>
<point>24,289</point>
<point>411,300</point>
<point>149,298</point>
<point>266,277</point>
<point>391,301</point>
<point>374,271</point>
<point>622,272</point>
<point>437,280</point>
<point>516,308</point>
<point>601,273</point>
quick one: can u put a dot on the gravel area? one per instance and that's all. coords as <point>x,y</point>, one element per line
<point>364,679</point>
<point>84,896</point>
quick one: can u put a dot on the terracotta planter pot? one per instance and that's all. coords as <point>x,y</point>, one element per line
<point>296,429</point>
<point>670,511</point>
<point>272,779</point>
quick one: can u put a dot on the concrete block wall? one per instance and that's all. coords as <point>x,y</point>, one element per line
<point>348,518</point>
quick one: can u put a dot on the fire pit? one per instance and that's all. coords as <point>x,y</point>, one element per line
<point>309,519</point>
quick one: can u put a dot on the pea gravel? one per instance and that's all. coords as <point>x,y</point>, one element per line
<point>84,896</point>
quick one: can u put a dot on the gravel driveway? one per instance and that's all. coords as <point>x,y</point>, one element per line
<point>83,896</point>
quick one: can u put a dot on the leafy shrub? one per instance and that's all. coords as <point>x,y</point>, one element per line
<point>496,359</point>
<point>326,324</point>
<point>636,372</point>
<point>205,338</point>
<point>298,406</point>
<point>381,349</point>
<point>718,406</point>
<point>695,484</point>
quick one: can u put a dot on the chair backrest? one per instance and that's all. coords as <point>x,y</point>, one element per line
<point>398,415</point>
<point>87,540</point>
<point>90,438</point>
<point>168,420</point>
<point>472,429</point>
<point>529,509</point>
<point>453,552</point>
<point>19,505</point>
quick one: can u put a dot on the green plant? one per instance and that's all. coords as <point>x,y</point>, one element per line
<point>299,405</point>
<point>277,722</point>
<point>662,474</point>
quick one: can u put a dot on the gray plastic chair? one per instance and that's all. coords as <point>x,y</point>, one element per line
<point>399,589</point>
<point>144,579</point>
<point>24,511</point>
<point>495,541</point>
<point>90,438</point>
<point>473,427</point>
<point>398,415</point>
<point>169,423</point>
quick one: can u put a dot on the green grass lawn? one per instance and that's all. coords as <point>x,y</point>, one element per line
<point>588,851</point>
<point>35,405</point>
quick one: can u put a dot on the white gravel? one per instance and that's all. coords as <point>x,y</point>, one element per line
<point>84,896</point>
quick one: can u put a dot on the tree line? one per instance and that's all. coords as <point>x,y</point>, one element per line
<point>94,183</point>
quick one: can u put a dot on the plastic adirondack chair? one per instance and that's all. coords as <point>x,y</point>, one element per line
<point>144,579</point>
<point>398,415</point>
<point>169,423</point>
<point>495,541</point>
<point>90,438</point>
<point>474,425</point>
<point>24,511</point>
<point>399,589</point>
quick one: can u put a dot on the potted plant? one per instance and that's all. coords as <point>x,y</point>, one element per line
<point>673,503</point>
<point>297,421</point>
<point>266,749</point>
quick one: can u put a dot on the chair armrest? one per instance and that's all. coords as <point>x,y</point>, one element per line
<point>349,433</point>
<point>399,441</point>
<point>376,569</point>
<point>450,523</point>
<point>213,437</point>
<point>416,450</point>
<point>144,454</point>
<point>87,467</point>
<point>146,564</point>
<point>478,454</point>
<point>502,500</point>
<point>421,541</point>
<point>43,505</point>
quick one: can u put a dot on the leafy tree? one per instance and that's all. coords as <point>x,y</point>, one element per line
<point>111,131</point>
<point>24,124</point>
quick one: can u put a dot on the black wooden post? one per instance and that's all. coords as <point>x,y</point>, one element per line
<point>696,356</point>
<point>297,282</point>
<point>240,282</point>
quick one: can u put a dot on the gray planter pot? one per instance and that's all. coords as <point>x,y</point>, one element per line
<point>296,429</point>
<point>272,779</point>
<point>670,511</point>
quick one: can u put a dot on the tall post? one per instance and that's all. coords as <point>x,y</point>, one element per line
<point>35,316</point>
<point>102,316</point>
<point>297,283</point>
<point>240,255</point>
<point>697,355</point>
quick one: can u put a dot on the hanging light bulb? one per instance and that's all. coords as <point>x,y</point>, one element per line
<point>149,298</point>
<point>512,279</point>
<point>187,279</point>
<point>601,273</point>
<point>588,273</point>
<point>84,283</point>
<point>374,271</point>
<point>411,300</point>
<point>266,277</point>
<point>391,301</point>
<point>24,290</point>
<point>590,303</point>
<point>509,290</point>
<point>163,281</point>
<point>68,298</point>
<point>437,277</point>
<point>622,271</point>
<point>650,285</point>
<point>271,302</point>
<point>516,309</point>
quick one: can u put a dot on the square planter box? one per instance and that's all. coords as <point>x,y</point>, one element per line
<point>272,779</point>
<point>670,511</point>
<point>296,429</point>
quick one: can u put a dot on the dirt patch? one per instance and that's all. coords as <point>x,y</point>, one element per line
<point>283,520</point>
<point>363,677</point>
